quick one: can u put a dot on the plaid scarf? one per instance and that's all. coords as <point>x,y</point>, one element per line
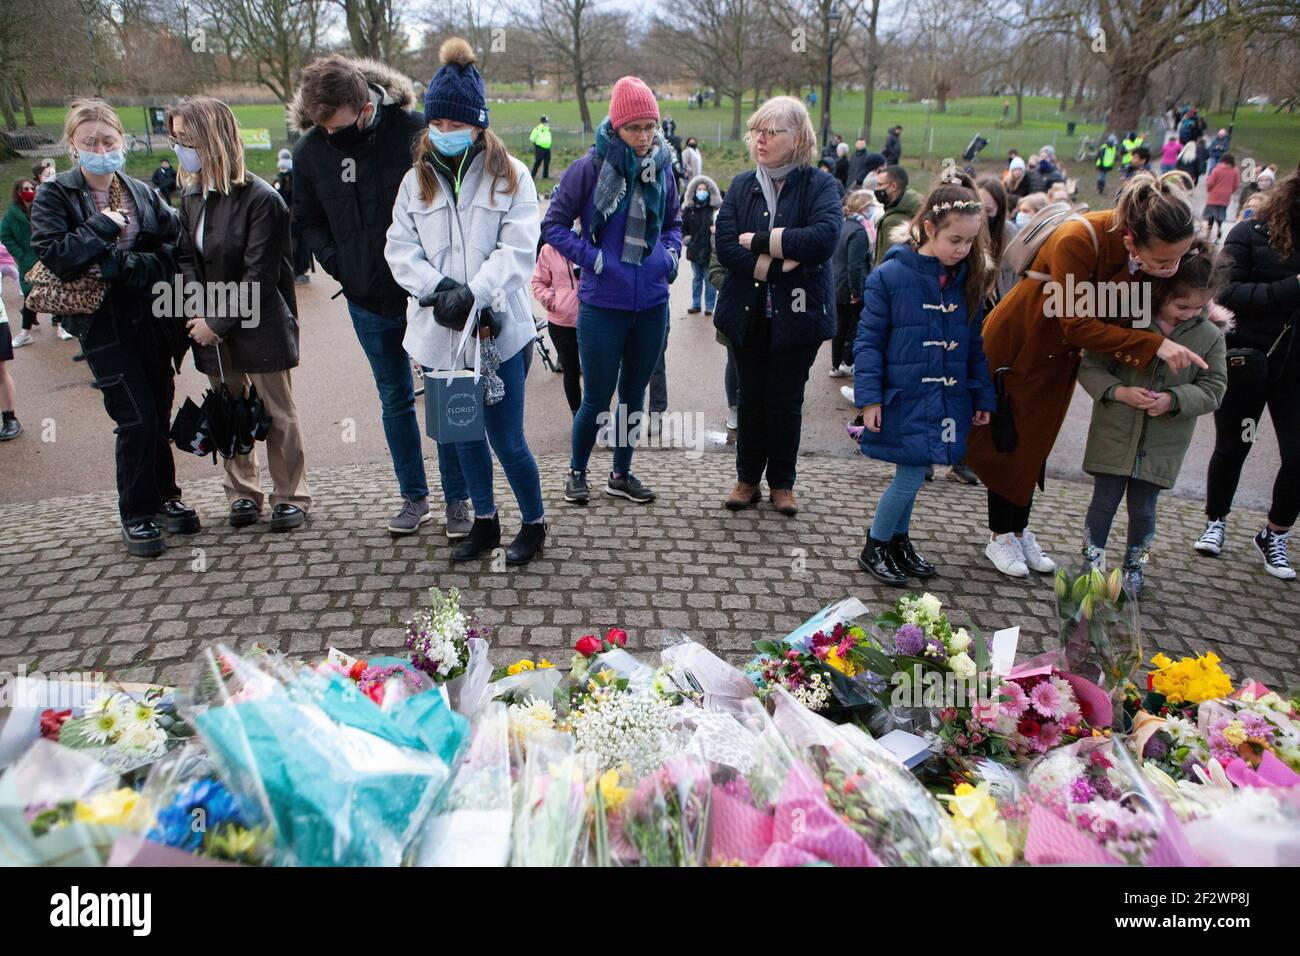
<point>620,168</point>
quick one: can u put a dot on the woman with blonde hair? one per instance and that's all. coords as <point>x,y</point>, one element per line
<point>776,233</point>
<point>235,230</point>
<point>93,226</point>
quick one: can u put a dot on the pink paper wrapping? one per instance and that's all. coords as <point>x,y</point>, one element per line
<point>1051,840</point>
<point>131,849</point>
<point>1094,703</point>
<point>1254,687</point>
<point>1271,773</point>
<point>801,829</point>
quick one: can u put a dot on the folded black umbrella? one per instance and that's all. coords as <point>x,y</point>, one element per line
<point>220,410</point>
<point>258,416</point>
<point>189,430</point>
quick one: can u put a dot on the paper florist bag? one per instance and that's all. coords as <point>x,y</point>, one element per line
<point>454,399</point>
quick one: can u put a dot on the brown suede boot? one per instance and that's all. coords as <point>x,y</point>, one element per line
<point>742,496</point>
<point>783,501</point>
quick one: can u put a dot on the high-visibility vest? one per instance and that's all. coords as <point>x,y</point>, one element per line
<point>541,136</point>
<point>1129,146</point>
<point>1106,158</point>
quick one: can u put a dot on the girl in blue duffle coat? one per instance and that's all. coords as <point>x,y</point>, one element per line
<point>921,379</point>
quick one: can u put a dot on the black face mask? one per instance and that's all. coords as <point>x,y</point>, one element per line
<point>883,197</point>
<point>347,137</point>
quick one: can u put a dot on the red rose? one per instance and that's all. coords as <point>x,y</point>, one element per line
<point>616,636</point>
<point>1028,728</point>
<point>588,644</point>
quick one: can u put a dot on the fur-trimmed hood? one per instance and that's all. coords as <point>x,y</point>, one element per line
<point>688,194</point>
<point>399,90</point>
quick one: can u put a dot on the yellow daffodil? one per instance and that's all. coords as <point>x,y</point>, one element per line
<point>1192,680</point>
<point>980,827</point>
<point>519,667</point>
<point>607,676</point>
<point>113,808</point>
<point>610,792</point>
<point>544,664</point>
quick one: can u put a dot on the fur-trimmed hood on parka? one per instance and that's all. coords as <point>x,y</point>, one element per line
<point>688,194</point>
<point>399,90</point>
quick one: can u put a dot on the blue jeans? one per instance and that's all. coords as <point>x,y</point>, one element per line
<point>381,339</point>
<point>700,283</point>
<point>618,348</point>
<point>894,511</point>
<point>505,432</point>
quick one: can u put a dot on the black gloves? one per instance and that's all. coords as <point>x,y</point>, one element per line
<point>451,303</point>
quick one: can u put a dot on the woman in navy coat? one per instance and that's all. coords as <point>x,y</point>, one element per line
<point>921,378</point>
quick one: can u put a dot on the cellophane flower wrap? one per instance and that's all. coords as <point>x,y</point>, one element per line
<point>472,826</point>
<point>61,807</point>
<point>438,637</point>
<point>881,800</point>
<point>1100,630</point>
<point>553,803</point>
<point>1090,804</point>
<point>124,730</point>
<point>341,780</point>
<point>186,807</point>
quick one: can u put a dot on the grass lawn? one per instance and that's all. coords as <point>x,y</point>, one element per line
<point>928,136</point>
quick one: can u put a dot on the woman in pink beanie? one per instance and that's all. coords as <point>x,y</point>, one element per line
<point>627,249</point>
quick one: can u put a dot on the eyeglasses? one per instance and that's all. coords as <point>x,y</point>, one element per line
<point>759,132</point>
<point>176,142</point>
<point>641,130</point>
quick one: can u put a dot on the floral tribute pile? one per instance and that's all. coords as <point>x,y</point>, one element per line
<point>895,740</point>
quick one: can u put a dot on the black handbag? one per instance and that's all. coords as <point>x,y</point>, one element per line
<point>1246,366</point>
<point>1003,422</point>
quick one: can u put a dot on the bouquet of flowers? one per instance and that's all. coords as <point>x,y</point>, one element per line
<point>794,671</point>
<point>922,633</point>
<point>375,679</point>
<point>1100,630</point>
<point>1091,805</point>
<point>665,820</point>
<point>124,732</point>
<point>553,804</point>
<point>438,638</point>
<point>618,725</point>
<point>1255,735</point>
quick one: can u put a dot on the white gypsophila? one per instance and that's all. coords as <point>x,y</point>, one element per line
<point>621,727</point>
<point>816,695</point>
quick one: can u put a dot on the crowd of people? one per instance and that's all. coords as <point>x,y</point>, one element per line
<point>931,294</point>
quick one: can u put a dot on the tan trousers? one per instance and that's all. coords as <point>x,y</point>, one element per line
<point>284,453</point>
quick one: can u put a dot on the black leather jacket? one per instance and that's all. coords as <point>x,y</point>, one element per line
<point>70,235</point>
<point>1263,292</point>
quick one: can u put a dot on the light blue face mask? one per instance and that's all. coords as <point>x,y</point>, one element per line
<point>450,144</point>
<point>1022,218</point>
<point>702,195</point>
<point>188,157</point>
<point>102,164</point>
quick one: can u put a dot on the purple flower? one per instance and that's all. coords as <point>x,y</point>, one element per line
<point>935,650</point>
<point>1105,789</point>
<point>1155,748</point>
<point>1081,791</point>
<point>909,640</point>
<point>1189,768</point>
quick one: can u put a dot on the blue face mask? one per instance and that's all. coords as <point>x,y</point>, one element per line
<point>1022,218</point>
<point>702,195</point>
<point>102,163</point>
<point>450,144</point>
<point>189,159</point>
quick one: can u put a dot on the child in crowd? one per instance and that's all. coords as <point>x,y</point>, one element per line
<point>850,265</point>
<point>1143,419</point>
<point>920,376</point>
<point>1223,181</point>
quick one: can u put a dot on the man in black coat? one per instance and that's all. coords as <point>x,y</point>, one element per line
<point>348,166</point>
<point>893,150</point>
<point>862,164</point>
<point>164,179</point>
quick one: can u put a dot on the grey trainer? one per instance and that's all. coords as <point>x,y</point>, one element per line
<point>412,515</point>
<point>459,520</point>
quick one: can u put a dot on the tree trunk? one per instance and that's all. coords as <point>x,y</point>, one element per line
<point>717,97</point>
<point>26,103</point>
<point>735,114</point>
<point>941,94</point>
<point>869,101</point>
<point>1065,86</point>
<point>6,107</point>
<point>1125,93</point>
<point>1078,91</point>
<point>1020,105</point>
<point>580,89</point>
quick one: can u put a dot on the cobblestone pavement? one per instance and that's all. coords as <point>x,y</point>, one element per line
<point>72,600</point>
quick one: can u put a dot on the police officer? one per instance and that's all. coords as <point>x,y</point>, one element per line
<point>540,137</point>
<point>1105,162</point>
<point>1131,142</point>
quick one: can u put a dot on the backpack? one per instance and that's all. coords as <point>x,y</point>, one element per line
<point>1188,154</point>
<point>1020,252</point>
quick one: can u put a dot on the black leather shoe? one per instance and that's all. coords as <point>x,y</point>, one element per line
<point>243,513</point>
<point>286,517</point>
<point>877,560</point>
<point>908,559</point>
<point>179,518</point>
<point>528,543</point>
<point>961,472</point>
<point>144,538</point>
<point>484,536</point>
<point>10,429</point>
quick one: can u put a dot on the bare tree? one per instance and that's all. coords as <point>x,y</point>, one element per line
<point>816,33</point>
<point>374,27</point>
<point>272,39</point>
<point>581,39</point>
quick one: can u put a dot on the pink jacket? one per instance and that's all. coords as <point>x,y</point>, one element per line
<point>1223,181</point>
<point>1169,152</point>
<point>556,287</point>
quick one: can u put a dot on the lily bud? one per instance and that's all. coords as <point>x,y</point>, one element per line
<point>1115,586</point>
<point>1080,588</point>
<point>1085,606</point>
<point>1097,585</point>
<point>1062,584</point>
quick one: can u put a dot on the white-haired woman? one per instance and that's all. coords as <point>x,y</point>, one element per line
<point>776,232</point>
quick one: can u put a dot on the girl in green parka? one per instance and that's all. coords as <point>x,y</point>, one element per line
<point>1144,417</point>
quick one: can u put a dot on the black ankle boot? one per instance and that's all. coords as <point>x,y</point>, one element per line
<point>878,561</point>
<point>528,543</point>
<point>483,536</point>
<point>909,559</point>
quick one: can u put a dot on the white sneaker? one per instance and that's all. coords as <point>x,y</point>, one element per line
<point>1272,546</point>
<point>1035,560</point>
<point>733,418</point>
<point>847,392</point>
<point>838,372</point>
<point>846,369</point>
<point>63,333</point>
<point>22,338</point>
<point>1004,551</point>
<point>1211,539</point>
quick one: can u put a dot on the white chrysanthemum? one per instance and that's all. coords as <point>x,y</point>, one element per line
<point>815,696</point>
<point>1053,775</point>
<point>104,726</point>
<point>529,718</point>
<point>101,705</point>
